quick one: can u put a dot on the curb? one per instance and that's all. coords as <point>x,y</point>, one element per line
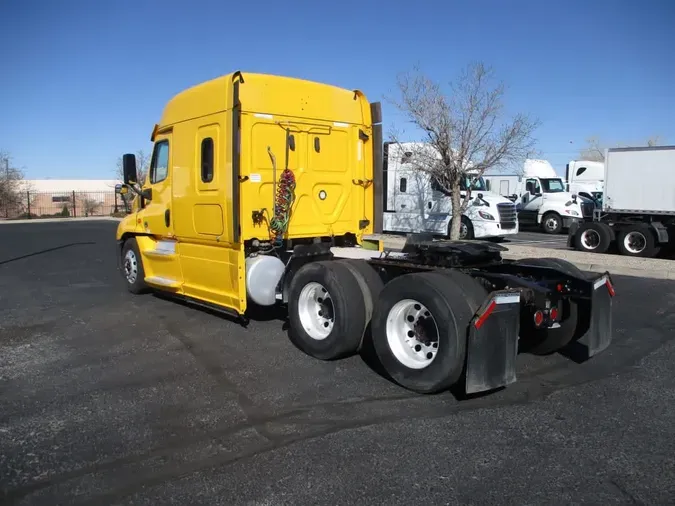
<point>654,268</point>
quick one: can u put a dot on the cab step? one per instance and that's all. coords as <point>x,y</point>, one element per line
<point>163,282</point>
<point>164,250</point>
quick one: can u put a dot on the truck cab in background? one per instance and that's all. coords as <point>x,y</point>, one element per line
<point>415,202</point>
<point>586,178</point>
<point>543,199</point>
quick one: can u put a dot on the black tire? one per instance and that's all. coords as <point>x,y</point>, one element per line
<point>451,312</point>
<point>547,341</point>
<point>469,229</point>
<point>644,236</point>
<point>593,237</point>
<point>132,267</point>
<point>371,285</point>
<point>474,291</point>
<point>346,303</point>
<point>547,223</point>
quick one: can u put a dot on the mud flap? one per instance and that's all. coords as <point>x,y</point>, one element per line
<point>571,233</point>
<point>599,334</point>
<point>492,343</point>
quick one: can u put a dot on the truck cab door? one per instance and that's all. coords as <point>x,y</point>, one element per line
<point>530,202</point>
<point>159,249</point>
<point>157,209</point>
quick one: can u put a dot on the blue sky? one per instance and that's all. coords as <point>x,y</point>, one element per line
<point>84,81</point>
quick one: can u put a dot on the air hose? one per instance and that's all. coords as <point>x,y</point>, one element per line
<point>282,206</point>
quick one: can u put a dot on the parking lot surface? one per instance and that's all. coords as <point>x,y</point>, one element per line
<point>109,398</point>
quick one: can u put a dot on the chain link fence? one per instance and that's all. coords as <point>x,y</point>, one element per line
<point>70,204</point>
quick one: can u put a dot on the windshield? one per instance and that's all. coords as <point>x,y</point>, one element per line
<point>478,184</point>
<point>552,185</point>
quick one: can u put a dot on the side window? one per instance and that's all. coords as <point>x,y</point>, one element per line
<point>581,171</point>
<point>159,169</point>
<point>403,185</point>
<point>207,160</point>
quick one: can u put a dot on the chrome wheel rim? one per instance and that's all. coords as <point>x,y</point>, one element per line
<point>590,239</point>
<point>412,334</point>
<point>635,242</point>
<point>131,267</point>
<point>316,311</point>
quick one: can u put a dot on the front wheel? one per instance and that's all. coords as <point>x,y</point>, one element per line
<point>465,229</point>
<point>132,267</point>
<point>552,223</point>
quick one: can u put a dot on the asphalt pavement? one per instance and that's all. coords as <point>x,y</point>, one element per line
<point>110,398</point>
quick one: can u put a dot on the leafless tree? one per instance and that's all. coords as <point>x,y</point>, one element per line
<point>595,151</point>
<point>465,131</point>
<point>11,190</point>
<point>142,168</point>
<point>88,205</point>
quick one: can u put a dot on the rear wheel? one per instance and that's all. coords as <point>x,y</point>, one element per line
<point>637,241</point>
<point>593,237</point>
<point>326,310</point>
<point>549,340</point>
<point>419,330</point>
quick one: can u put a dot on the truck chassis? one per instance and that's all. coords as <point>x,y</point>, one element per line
<point>631,233</point>
<point>439,313</point>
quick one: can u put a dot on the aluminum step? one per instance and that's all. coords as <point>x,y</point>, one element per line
<point>163,282</point>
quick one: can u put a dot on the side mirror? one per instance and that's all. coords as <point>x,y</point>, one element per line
<point>129,168</point>
<point>147,194</point>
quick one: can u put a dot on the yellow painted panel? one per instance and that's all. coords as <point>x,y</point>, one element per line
<point>214,274</point>
<point>208,219</point>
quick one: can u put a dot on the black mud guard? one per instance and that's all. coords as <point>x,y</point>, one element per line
<point>571,233</point>
<point>492,343</point>
<point>599,334</point>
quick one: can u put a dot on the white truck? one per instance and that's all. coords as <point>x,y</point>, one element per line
<point>542,198</point>
<point>586,178</point>
<point>415,202</point>
<point>637,213</point>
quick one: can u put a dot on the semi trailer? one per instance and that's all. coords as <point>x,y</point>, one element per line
<point>266,190</point>
<point>636,216</point>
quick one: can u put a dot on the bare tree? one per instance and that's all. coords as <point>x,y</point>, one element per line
<point>142,168</point>
<point>11,190</point>
<point>465,131</point>
<point>88,205</point>
<point>595,151</point>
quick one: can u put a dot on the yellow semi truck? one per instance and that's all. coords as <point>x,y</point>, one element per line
<point>266,190</point>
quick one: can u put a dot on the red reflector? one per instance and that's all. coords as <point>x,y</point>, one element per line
<point>554,314</point>
<point>538,318</point>
<point>610,287</point>
<point>481,319</point>
<point>559,288</point>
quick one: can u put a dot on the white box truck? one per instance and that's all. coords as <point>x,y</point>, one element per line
<point>637,214</point>
<point>416,203</point>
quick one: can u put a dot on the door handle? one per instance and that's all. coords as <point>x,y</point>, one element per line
<point>167,217</point>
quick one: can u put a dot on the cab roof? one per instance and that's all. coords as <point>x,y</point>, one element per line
<point>268,94</point>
